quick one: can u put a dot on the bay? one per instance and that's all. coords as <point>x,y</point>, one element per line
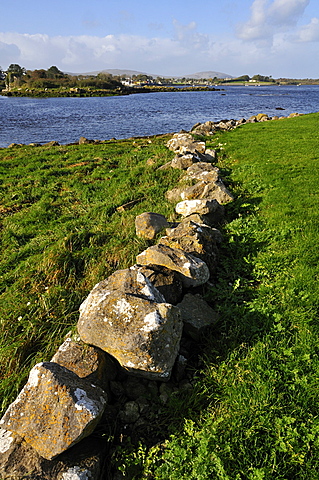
<point>40,120</point>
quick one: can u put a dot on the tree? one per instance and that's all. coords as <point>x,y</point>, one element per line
<point>15,74</point>
<point>54,72</point>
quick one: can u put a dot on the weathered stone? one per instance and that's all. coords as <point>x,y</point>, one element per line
<point>200,241</point>
<point>174,195</point>
<point>215,190</point>
<point>20,461</point>
<point>193,271</point>
<point>210,219</point>
<point>127,317</point>
<point>55,410</point>
<point>166,281</point>
<point>218,191</point>
<point>51,144</point>
<point>211,155</point>
<point>261,117</point>
<point>184,161</point>
<point>83,141</point>
<point>203,171</point>
<point>206,128</point>
<point>197,315</point>
<point>148,224</point>
<point>195,191</point>
<point>132,282</point>
<point>201,206</point>
<point>184,143</point>
<point>86,361</point>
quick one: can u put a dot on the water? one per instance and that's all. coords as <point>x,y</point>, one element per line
<point>26,120</point>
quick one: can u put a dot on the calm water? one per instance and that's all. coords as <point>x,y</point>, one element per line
<point>26,120</point>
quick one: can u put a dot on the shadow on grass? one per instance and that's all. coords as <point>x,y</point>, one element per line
<point>230,292</point>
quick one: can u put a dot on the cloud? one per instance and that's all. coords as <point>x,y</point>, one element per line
<point>8,51</point>
<point>263,47</point>
<point>269,18</point>
<point>310,32</point>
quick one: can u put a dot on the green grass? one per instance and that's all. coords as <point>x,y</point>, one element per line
<point>61,233</point>
<point>255,406</point>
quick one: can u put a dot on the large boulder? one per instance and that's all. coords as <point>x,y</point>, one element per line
<point>149,224</point>
<point>55,410</point>
<point>126,316</point>
<point>193,271</point>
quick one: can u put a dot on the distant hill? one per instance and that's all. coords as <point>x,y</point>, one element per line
<point>209,74</point>
<point>129,73</point>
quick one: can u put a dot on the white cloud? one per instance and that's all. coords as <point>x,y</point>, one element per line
<point>269,43</point>
<point>269,18</point>
<point>310,32</point>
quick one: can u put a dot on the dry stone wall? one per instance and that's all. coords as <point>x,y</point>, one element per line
<point>138,331</point>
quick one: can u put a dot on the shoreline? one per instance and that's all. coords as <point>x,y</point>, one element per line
<point>203,129</point>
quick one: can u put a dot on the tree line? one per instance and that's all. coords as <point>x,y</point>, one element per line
<point>18,77</point>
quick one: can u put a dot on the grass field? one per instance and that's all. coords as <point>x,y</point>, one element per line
<point>61,233</point>
<point>253,412</point>
<point>259,387</point>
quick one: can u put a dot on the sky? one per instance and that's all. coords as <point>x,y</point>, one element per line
<point>278,38</point>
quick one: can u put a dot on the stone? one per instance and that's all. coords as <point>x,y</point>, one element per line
<point>184,143</point>
<point>54,410</point>
<point>218,191</point>
<point>126,316</point>
<point>203,171</point>
<point>193,271</point>
<point>201,206</point>
<point>51,144</point>
<point>215,190</point>
<point>199,241</point>
<point>211,219</point>
<point>165,280</point>
<point>148,225</point>
<point>21,461</point>
<point>83,141</point>
<point>132,282</point>
<point>174,195</point>
<point>211,155</point>
<point>86,361</point>
<point>206,128</point>
<point>197,315</point>
<point>261,117</point>
<point>184,161</point>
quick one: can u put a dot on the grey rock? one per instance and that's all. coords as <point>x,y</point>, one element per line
<point>149,224</point>
<point>127,317</point>
<point>193,270</point>
<point>197,315</point>
<point>55,410</point>
<point>200,206</point>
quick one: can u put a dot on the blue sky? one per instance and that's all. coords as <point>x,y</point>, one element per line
<point>171,37</point>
